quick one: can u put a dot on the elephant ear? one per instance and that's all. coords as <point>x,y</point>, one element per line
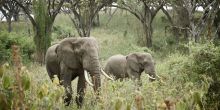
<point>56,49</point>
<point>132,62</point>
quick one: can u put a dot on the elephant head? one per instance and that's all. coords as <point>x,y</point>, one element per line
<point>139,62</point>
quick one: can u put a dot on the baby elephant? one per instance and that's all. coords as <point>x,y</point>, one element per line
<point>131,66</point>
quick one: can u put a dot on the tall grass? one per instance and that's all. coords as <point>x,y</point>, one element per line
<point>122,36</point>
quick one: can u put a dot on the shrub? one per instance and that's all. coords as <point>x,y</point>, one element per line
<point>206,61</point>
<point>198,72</point>
<point>7,40</point>
<point>5,43</point>
<point>202,69</point>
<point>36,96</point>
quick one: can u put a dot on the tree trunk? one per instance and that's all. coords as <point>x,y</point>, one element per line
<point>86,31</point>
<point>196,38</point>
<point>42,42</point>
<point>186,35</point>
<point>16,17</point>
<point>96,21</point>
<point>217,24</point>
<point>9,24</point>
<point>148,30</point>
<point>176,34</point>
<point>174,28</point>
<point>84,28</point>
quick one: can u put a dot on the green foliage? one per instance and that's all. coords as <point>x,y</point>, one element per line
<point>6,94</point>
<point>5,44</point>
<point>212,97</point>
<point>7,40</point>
<point>60,32</point>
<point>1,71</point>
<point>201,67</point>
<point>43,26</point>
<point>37,96</point>
<point>207,61</point>
<point>198,100</point>
<point>6,82</point>
<point>186,71</point>
<point>25,82</point>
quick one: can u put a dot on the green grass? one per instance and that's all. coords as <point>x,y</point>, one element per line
<point>121,36</point>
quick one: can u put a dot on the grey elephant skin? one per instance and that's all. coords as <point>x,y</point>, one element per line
<point>131,66</point>
<point>69,59</point>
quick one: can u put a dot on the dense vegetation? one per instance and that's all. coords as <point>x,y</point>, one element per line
<point>189,72</point>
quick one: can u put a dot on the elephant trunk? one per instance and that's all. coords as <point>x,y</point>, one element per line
<point>93,68</point>
<point>151,73</point>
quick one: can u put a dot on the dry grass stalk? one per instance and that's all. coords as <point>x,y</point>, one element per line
<point>139,102</point>
<point>168,104</point>
<point>18,103</point>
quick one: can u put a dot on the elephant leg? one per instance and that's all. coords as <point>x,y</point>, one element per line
<point>66,78</point>
<point>80,89</point>
<point>135,76</point>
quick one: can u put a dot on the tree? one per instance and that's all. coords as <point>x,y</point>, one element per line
<point>217,25</point>
<point>145,11</point>
<point>84,12</point>
<point>187,20</point>
<point>9,9</point>
<point>180,20</point>
<point>45,12</point>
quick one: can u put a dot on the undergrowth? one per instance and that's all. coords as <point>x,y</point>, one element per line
<point>189,73</point>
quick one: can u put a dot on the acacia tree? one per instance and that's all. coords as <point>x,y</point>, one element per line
<point>217,25</point>
<point>187,19</point>
<point>180,19</point>
<point>84,12</point>
<point>45,12</point>
<point>145,11</point>
<point>9,9</point>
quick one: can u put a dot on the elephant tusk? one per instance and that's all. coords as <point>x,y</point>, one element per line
<point>150,77</point>
<point>158,76</point>
<point>106,75</point>
<point>87,78</point>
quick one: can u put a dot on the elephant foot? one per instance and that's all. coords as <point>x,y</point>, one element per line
<point>79,101</point>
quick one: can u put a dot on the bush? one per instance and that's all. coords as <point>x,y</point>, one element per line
<point>206,61</point>
<point>198,72</point>
<point>60,32</point>
<point>5,44</point>
<point>7,40</point>
<point>202,69</point>
<point>36,96</point>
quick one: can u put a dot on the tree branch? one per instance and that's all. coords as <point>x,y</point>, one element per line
<point>131,11</point>
<point>154,12</point>
<point>27,12</point>
<point>168,15</point>
<point>56,11</point>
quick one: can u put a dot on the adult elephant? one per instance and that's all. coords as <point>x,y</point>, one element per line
<point>131,66</point>
<point>71,58</point>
